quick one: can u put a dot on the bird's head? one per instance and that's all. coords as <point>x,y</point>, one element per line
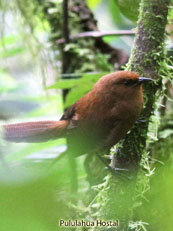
<point>128,79</point>
<point>123,84</point>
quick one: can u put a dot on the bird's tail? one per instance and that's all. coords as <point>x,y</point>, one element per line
<point>35,132</point>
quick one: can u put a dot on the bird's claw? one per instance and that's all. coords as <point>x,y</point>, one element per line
<point>120,169</point>
<point>140,121</point>
<point>115,171</point>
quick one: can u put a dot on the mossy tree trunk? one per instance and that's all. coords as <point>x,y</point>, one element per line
<point>146,59</point>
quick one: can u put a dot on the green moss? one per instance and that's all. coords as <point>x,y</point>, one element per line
<point>147,58</point>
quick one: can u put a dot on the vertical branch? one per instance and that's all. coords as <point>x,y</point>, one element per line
<point>146,59</point>
<point>66,63</point>
<point>65,21</point>
<point>66,36</point>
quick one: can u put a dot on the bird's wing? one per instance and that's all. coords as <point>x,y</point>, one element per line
<point>71,115</point>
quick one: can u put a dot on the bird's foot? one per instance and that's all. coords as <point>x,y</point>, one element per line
<point>120,169</point>
<point>113,170</point>
<point>140,121</point>
<point>118,172</point>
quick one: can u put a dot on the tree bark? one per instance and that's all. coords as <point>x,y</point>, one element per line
<point>146,59</point>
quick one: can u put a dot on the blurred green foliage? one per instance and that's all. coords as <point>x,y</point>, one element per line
<point>35,196</point>
<point>157,206</point>
<point>28,205</point>
<point>129,8</point>
<point>35,191</point>
<point>11,52</point>
<point>7,82</point>
<point>78,87</point>
<point>93,3</point>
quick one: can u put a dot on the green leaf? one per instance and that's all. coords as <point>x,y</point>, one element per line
<point>93,77</point>
<point>9,40</point>
<point>31,204</point>
<point>129,8</point>
<point>77,93</point>
<point>84,85</point>
<point>78,87</point>
<point>70,83</point>
<point>93,3</point>
<point>6,82</point>
<point>115,13</point>
<point>164,134</point>
<point>64,84</point>
<point>9,52</point>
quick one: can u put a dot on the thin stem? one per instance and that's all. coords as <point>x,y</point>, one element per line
<point>97,34</point>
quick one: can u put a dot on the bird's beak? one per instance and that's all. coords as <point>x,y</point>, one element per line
<point>143,80</point>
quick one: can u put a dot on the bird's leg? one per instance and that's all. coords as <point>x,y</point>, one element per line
<point>140,121</point>
<point>114,162</point>
<point>113,171</point>
<point>73,177</point>
<point>73,173</point>
<point>110,142</point>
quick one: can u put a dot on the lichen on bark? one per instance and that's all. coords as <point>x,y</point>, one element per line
<point>146,58</point>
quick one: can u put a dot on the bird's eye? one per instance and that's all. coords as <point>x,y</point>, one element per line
<point>129,82</point>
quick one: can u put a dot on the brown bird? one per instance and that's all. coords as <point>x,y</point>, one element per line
<point>99,119</point>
